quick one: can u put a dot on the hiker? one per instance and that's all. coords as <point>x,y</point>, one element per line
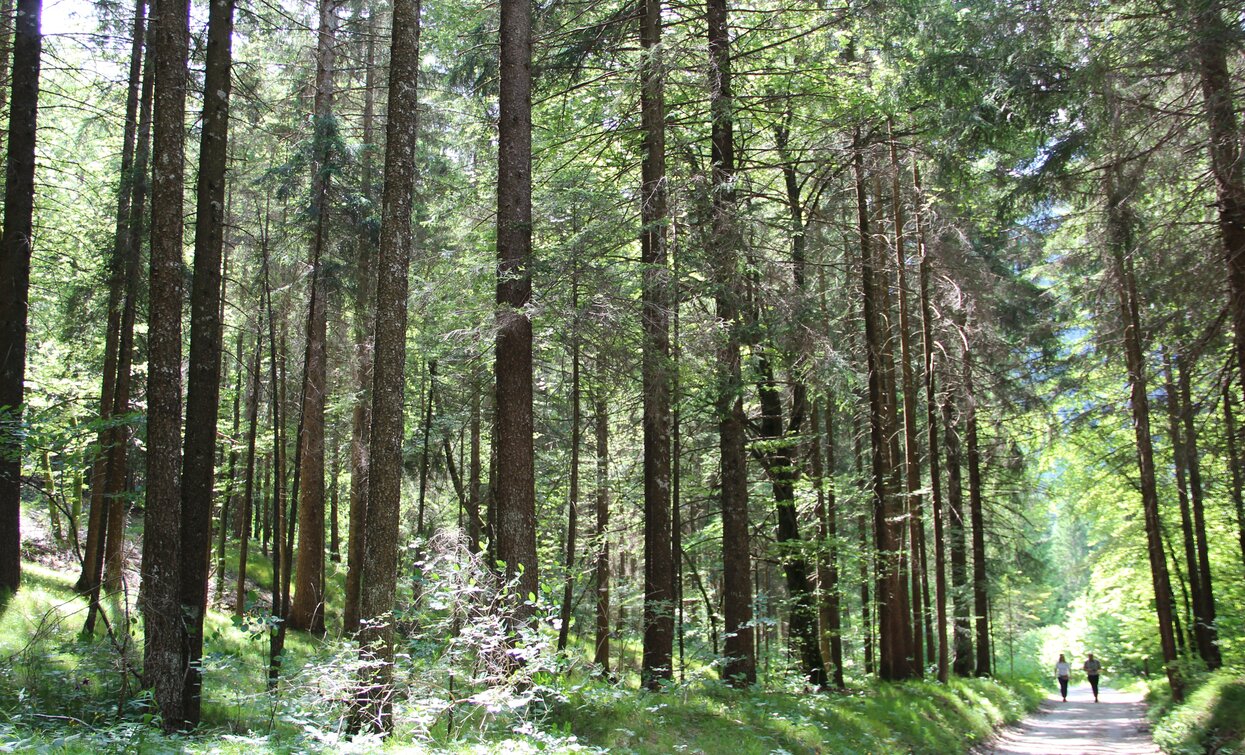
<point>1092,669</point>
<point>1063,670</point>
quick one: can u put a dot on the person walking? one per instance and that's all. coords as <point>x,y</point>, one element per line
<point>1092,669</point>
<point>1063,670</point>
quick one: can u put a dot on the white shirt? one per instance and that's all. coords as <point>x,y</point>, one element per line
<point>1063,668</point>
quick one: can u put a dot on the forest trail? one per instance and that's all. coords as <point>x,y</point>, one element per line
<point>1114,726</point>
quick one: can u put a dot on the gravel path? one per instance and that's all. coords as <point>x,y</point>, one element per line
<point>1114,726</point>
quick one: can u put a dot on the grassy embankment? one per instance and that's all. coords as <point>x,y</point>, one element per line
<point>1210,720</point>
<point>60,692</point>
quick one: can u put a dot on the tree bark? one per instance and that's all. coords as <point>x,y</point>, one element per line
<point>739,668</point>
<point>97,524</point>
<point>516,499</point>
<point>1120,247</point>
<point>380,567</point>
<point>962,630</point>
<point>894,662</point>
<point>601,647</point>
<point>1234,463</point>
<point>248,497</point>
<point>572,501</point>
<point>15,251</point>
<point>912,451</point>
<point>981,605</point>
<point>1206,609</point>
<point>931,428</point>
<point>1194,603</point>
<point>203,376</point>
<point>364,326</point>
<point>307,610</point>
<point>163,663</point>
<point>829,614</point>
<point>1212,34</point>
<point>659,591</point>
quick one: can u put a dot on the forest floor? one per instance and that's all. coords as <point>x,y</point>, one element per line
<point>1114,726</point>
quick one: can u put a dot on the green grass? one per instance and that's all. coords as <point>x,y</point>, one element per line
<point>1211,718</point>
<point>918,717</point>
<point>61,692</point>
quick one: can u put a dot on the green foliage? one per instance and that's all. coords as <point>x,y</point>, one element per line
<point>706,716</point>
<point>1211,719</point>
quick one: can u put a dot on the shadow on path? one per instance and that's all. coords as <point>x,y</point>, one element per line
<point>1114,726</point>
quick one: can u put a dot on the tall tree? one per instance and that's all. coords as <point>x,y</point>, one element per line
<point>1211,39</point>
<point>361,415</point>
<point>908,391</point>
<point>739,667</point>
<point>19,201</point>
<point>163,664</point>
<point>380,569</point>
<point>307,611</point>
<point>928,349</point>
<point>1120,246</point>
<point>1206,610</point>
<point>976,515</point>
<point>894,662</point>
<point>516,499</point>
<point>962,630</point>
<point>601,646</point>
<point>96,522</point>
<point>203,379</point>
<point>659,593</point>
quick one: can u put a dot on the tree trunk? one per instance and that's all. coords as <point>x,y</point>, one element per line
<point>426,441</point>
<point>248,498</point>
<point>1197,622</point>
<point>601,653</point>
<point>335,468</point>
<point>1120,247</point>
<point>380,567</point>
<point>976,518</point>
<point>228,511</point>
<point>1234,463</point>
<point>364,325</point>
<point>1211,34</point>
<point>115,498</point>
<point>203,377</point>
<point>163,662</point>
<point>474,529</point>
<point>739,667</point>
<point>780,458</point>
<point>961,625</point>
<point>862,531</point>
<point>96,523</point>
<point>275,522</point>
<point>912,451</point>
<point>659,590</point>
<point>15,251</point>
<point>572,502</point>
<point>1206,610</point>
<point>307,610</point>
<point>829,614</point>
<point>931,428</point>
<point>516,499</point>
<point>893,661</point>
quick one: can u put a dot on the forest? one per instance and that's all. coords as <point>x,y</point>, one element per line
<point>726,376</point>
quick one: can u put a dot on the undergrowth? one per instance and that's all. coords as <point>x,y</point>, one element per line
<point>1211,719</point>
<point>62,692</point>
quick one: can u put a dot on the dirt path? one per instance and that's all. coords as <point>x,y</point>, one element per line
<point>1114,726</point>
